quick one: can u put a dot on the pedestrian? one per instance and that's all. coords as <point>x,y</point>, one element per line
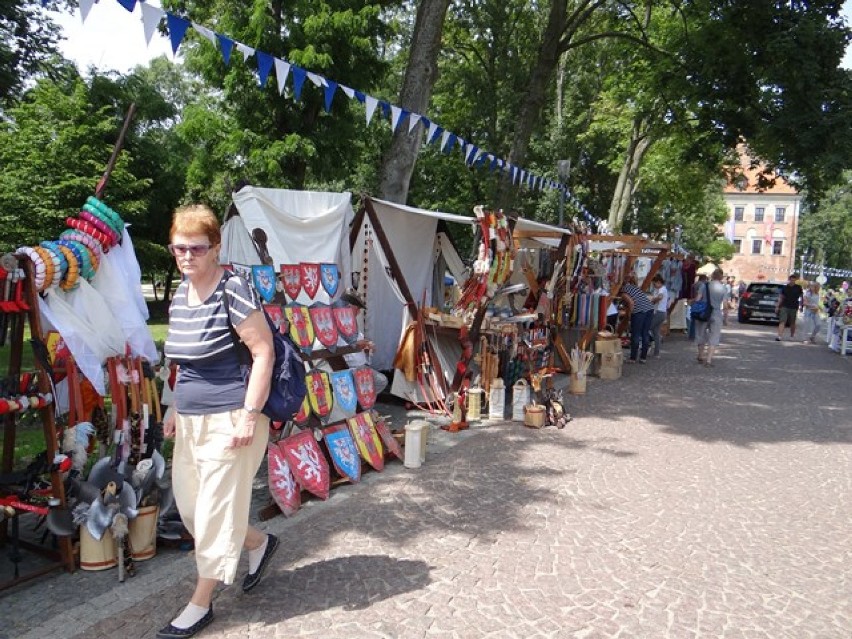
<point>220,433</point>
<point>641,314</point>
<point>741,288</point>
<point>810,302</point>
<point>702,278</point>
<point>788,307</point>
<point>726,305</point>
<point>660,300</point>
<point>709,333</point>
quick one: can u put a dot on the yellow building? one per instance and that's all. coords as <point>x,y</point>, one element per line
<point>763,222</point>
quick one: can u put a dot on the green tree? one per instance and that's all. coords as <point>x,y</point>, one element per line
<point>827,228</point>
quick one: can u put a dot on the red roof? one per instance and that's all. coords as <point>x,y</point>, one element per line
<point>752,177</point>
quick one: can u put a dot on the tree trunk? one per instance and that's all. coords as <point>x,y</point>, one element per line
<point>640,142</point>
<point>420,76</point>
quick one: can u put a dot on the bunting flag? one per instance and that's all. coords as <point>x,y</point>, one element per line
<point>203,31</point>
<point>227,46</point>
<point>130,5</point>
<point>298,80</point>
<point>371,104</point>
<point>245,50</point>
<point>177,30</point>
<point>349,92</point>
<point>330,88</point>
<point>264,66</point>
<point>151,17</point>
<point>432,133</point>
<point>413,119</point>
<point>282,70</point>
<point>316,80</point>
<point>85,7</point>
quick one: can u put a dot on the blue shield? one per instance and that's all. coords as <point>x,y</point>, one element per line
<point>330,278</point>
<point>345,395</point>
<point>264,279</point>
<point>342,450</point>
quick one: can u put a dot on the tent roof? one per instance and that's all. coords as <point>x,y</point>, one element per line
<point>449,217</point>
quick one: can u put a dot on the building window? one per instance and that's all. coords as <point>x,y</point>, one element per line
<point>739,213</point>
<point>738,246</point>
<point>780,212</point>
<point>777,247</point>
<point>758,213</point>
<point>756,247</point>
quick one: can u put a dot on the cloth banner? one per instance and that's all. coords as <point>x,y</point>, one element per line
<point>319,220</point>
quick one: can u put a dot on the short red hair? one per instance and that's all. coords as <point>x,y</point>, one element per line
<point>196,219</point>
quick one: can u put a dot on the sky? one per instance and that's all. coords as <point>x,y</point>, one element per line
<point>113,39</point>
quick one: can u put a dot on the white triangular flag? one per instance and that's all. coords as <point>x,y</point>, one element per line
<point>444,137</point>
<point>371,104</point>
<point>247,51</point>
<point>202,30</point>
<point>430,134</point>
<point>395,113</point>
<point>85,7</point>
<point>151,17</point>
<point>349,91</point>
<point>468,149</point>
<point>318,80</point>
<point>281,70</point>
<point>413,119</point>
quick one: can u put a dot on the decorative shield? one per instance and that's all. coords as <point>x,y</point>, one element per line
<point>301,418</point>
<point>264,281</point>
<point>282,483</point>
<point>244,271</point>
<point>342,450</point>
<point>291,279</point>
<point>365,386</point>
<point>310,274</point>
<point>276,314</point>
<point>366,440</point>
<point>330,278</point>
<point>319,393</point>
<point>391,445</point>
<point>301,327</point>
<point>344,391</point>
<point>345,319</point>
<point>307,462</point>
<point>324,326</point>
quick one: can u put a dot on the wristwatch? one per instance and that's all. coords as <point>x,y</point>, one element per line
<point>251,409</point>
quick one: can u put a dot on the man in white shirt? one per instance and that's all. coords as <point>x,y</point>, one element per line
<point>660,300</point>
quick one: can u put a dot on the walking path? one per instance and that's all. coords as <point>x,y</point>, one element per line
<point>681,502</point>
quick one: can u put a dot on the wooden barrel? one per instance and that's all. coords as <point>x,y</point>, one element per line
<point>97,555</point>
<point>143,533</point>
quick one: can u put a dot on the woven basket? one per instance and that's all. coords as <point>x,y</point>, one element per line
<point>534,416</point>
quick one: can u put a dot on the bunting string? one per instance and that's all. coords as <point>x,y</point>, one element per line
<point>473,156</point>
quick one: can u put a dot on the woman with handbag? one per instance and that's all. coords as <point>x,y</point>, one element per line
<point>220,433</point>
<point>708,318</point>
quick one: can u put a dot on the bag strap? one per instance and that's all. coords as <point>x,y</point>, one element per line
<point>243,352</point>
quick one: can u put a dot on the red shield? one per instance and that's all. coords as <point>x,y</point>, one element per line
<point>291,279</point>
<point>365,386</point>
<point>346,322</point>
<point>301,327</point>
<point>366,440</point>
<point>319,393</point>
<point>391,445</point>
<point>307,462</point>
<point>276,314</point>
<point>310,275</point>
<point>324,327</point>
<point>282,484</point>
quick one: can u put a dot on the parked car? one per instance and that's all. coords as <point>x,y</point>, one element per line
<point>759,302</point>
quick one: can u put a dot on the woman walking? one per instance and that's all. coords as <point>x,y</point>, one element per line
<point>219,430</point>
<point>810,301</point>
<point>709,333</point>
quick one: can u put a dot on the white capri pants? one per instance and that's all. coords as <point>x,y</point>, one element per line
<point>212,486</point>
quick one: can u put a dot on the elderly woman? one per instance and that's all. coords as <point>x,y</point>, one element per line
<point>220,433</point>
<point>709,333</point>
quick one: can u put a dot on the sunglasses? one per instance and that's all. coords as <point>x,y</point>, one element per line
<point>197,250</point>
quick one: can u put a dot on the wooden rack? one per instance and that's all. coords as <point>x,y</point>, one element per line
<point>64,557</point>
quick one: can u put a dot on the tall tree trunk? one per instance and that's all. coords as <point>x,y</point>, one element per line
<point>420,76</point>
<point>640,142</point>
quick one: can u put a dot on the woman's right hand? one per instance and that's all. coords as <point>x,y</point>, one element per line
<point>169,423</point>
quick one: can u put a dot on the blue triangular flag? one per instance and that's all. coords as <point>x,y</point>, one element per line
<point>330,88</point>
<point>177,29</point>
<point>227,45</point>
<point>451,142</point>
<point>130,5</point>
<point>264,66</point>
<point>360,96</point>
<point>299,75</point>
<point>386,108</point>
